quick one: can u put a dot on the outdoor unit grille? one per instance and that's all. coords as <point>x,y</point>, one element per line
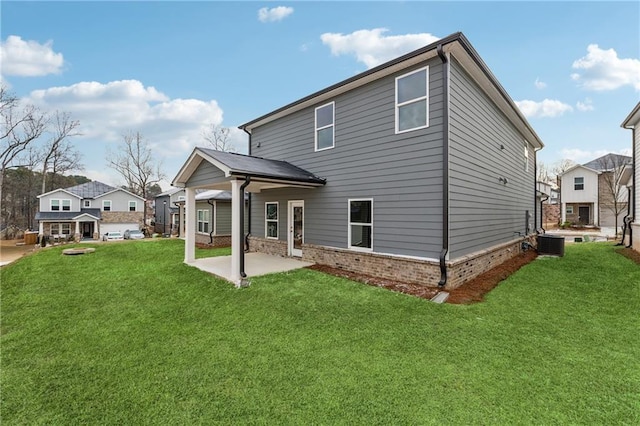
<point>551,244</point>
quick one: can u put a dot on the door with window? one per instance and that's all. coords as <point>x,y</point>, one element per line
<point>296,228</point>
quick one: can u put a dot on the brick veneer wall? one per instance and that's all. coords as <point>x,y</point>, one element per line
<point>218,240</point>
<point>408,270</point>
<point>122,217</point>
<point>550,215</point>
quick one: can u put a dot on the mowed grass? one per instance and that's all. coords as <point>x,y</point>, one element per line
<point>130,335</point>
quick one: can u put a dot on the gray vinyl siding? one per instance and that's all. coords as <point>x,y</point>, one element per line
<point>205,174</point>
<point>483,211</point>
<point>45,202</point>
<point>223,218</point>
<point>402,173</point>
<point>119,201</point>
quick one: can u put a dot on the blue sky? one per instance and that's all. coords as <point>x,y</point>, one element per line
<point>169,69</point>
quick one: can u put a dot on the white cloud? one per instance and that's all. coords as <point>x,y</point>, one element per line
<point>28,58</point>
<point>587,105</point>
<point>539,84</point>
<point>546,108</point>
<point>274,14</point>
<point>603,70</point>
<point>372,47</point>
<point>107,111</point>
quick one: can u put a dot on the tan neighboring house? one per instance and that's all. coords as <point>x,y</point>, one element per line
<point>88,211</point>
<point>632,122</point>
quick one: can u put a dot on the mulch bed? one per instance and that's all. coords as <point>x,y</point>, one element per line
<point>470,292</point>
<point>630,253</point>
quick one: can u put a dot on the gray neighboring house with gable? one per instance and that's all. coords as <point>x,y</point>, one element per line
<point>421,169</point>
<point>88,211</point>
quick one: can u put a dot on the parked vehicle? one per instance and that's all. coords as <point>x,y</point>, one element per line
<point>133,234</point>
<point>112,236</point>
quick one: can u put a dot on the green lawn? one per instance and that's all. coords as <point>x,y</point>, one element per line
<point>130,335</point>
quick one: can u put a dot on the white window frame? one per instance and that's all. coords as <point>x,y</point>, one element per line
<point>575,183</point>
<point>110,205</point>
<point>276,220</point>
<point>414,100</point>
<point>526,156</point>
<point>62,205</point>
<point>135,206</point>
<point>206,216</point>
<point>59,209</point>
<point>57,225</point>
<point>87,203</point>
<point>332,125</point>
<point>65,226</point>
<point>569,210</point>
<point>365,249</point>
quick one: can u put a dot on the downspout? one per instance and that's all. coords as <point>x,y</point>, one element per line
<point>213,216</point>
<point>246,238</point>
<point>544,231</point>
<point>247,180</point>
<point>625,220</point>
<point>635,185</point>
<point>445,168</point>
<point>535,191</point>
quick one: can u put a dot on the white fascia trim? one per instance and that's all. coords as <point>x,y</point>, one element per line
<point>59,190</point>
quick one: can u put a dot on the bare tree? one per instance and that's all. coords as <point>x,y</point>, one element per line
<point>218,137</point>
<point>613,193</point>
<point>59,155</point>
<point>544,174</point>
<point>19,127</point>
<point>136,164</point>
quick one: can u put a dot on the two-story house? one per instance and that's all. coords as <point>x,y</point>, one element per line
<point>632,122</point>
<point>587,191</point>
<point>421,169</point>
<point>88,211</point>
<point>167,214</point>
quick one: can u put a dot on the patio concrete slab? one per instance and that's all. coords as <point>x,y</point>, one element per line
<point>256,264</point>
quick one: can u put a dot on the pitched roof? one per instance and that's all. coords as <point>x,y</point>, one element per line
<point>90,189</point>
<point>245,165</point>
<point>214,194</point>
<point>68,215</point>
<point>608,162</point>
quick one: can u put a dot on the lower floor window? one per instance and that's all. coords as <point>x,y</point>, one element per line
<point>203,221</point>
<point>361,224</point>
<point>271,220</point>
<point>60,229</point>
<point>569,209</point>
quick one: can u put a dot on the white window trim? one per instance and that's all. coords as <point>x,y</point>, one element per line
<point>574,183</point>
<point>526,156</point>
<point>198,221</point>
<point>86,203</point>
<point>135,204</point>
<point>110,205</point>
<point>567,210</point>
<point>425,97</point>
<point>51,205</point>
<point>276,220</point>
<point>62,205</point>
<point>332,125</point>
<point>363,249</point>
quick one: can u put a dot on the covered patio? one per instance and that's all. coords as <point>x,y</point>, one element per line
<point>238,173</point>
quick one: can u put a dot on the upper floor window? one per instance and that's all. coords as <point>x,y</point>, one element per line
<point>203,221</point>
<point>132,206</point>
<point>578,183</point>
<point>64,205</point>
<point>106,205</point>
<point>325,118</point>
<point>412,104</point>
<point>271,220</point>
<point>361,224</point>
<point>87,203</point>
<point>526,156</point>
<point>55,205</point>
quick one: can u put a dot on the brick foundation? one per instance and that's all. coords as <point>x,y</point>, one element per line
<point>218,240</point>
<point>415,271</point>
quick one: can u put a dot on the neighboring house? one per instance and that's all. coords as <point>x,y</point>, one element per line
<point>167,215</point>
<point>421,169</point>
<point>587,198</point>
<point>549,212</point>
<point>88,211</point>
<point>632,122</point>
<point>212,218</point>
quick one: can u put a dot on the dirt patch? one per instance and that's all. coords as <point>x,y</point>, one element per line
<point>630,253</point>
<point>470,292</point>
<point>474,290</point>
<point>11,250</point>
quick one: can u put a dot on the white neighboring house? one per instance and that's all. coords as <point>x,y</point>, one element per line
<point>88,211</point>
<point>632,122</point>
<point>585,199</point>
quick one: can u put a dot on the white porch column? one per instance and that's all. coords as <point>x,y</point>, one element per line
<point>77,226</point>
<point>41,228</point>
<point>236,230</point>
<point>190,231</point>
<point>563,213</point>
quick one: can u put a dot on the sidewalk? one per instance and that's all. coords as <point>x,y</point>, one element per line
<point>602,234</point>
